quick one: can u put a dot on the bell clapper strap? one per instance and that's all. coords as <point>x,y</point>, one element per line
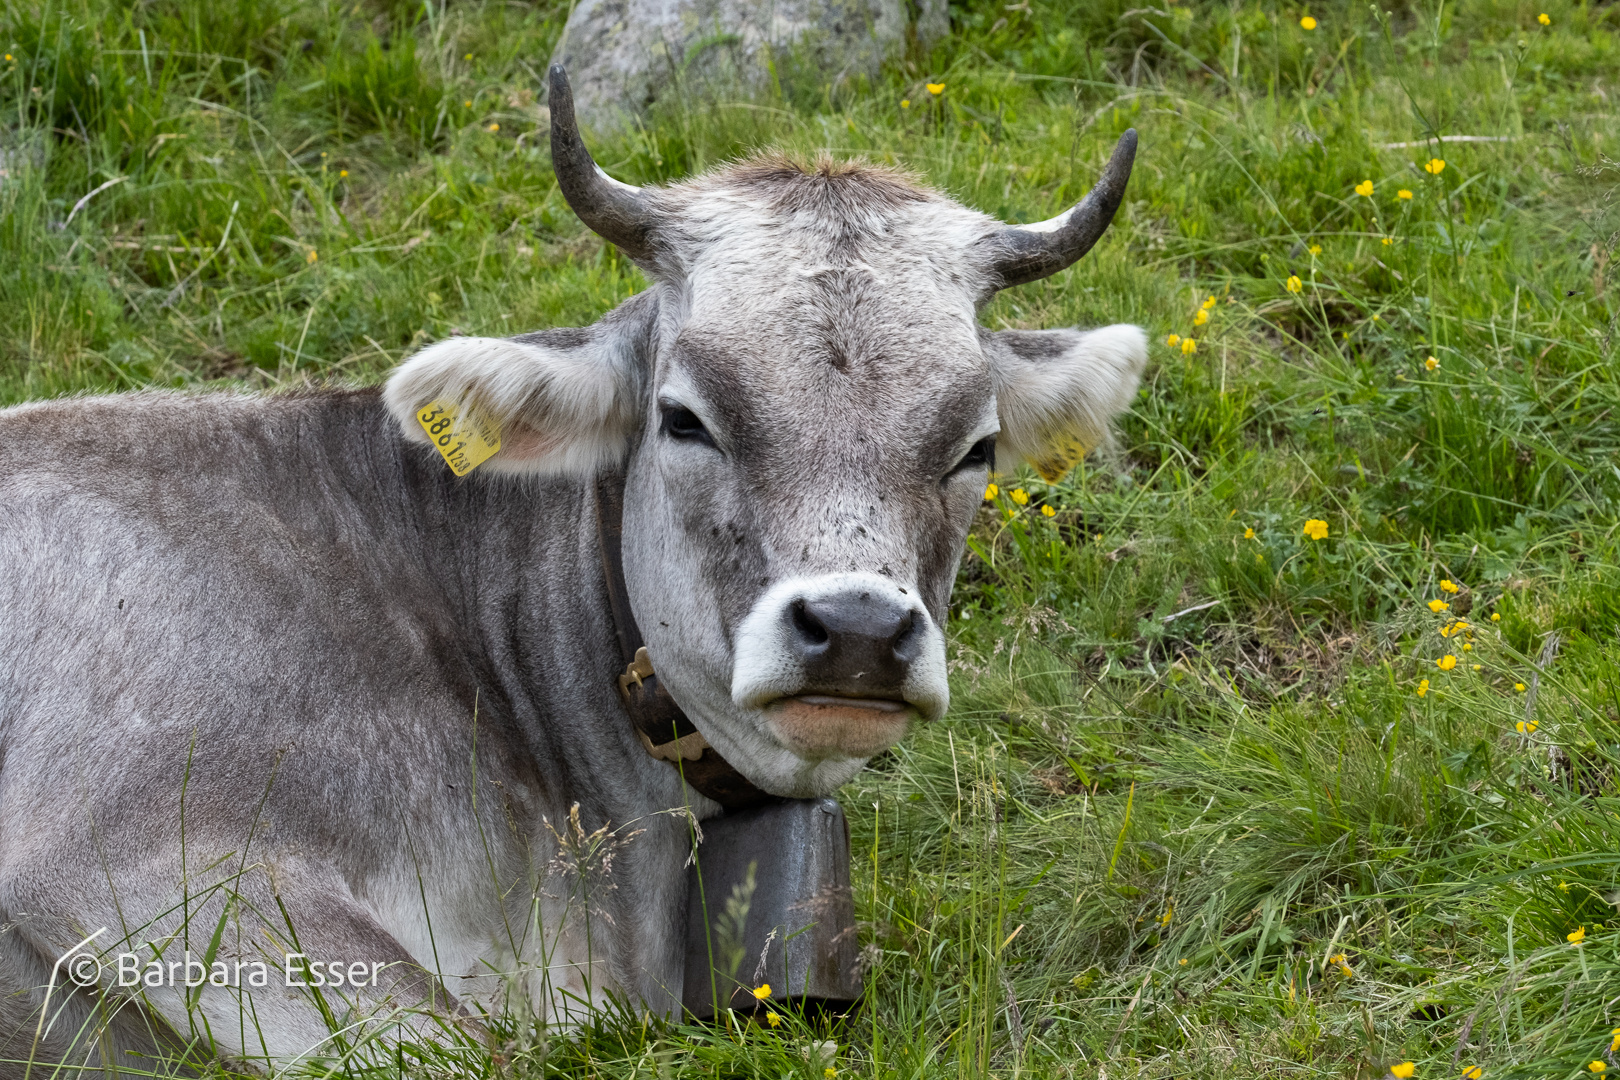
<point>687,747</point>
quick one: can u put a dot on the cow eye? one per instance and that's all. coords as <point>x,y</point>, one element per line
<point>981,455</point>
<point>683,424</point>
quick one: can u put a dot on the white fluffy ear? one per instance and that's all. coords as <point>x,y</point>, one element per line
<point>564,401</point>
<point>1056,391</point>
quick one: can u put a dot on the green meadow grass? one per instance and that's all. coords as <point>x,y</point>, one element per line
<point>1195,812</point>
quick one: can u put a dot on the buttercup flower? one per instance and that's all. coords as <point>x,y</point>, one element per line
<point>1308,23</point>
<point>1209,303</point>
<point>1188,346</point>
<point>1047,511</point>
<point>1020,496</point>
<point>1293,284</point>
<point>1201,317</point>
<point>1173,340</point>
<point>1478,667</point>
<point>1446,662</point>
<point>1248,534</point>
<point>1473,1072</point>
<point>1614,1046</point>
<point>905,103</point>
<point>312,256</point>
<point>773,1019</point>
<point>1430,364</point>
<point>829,1072</point>
<point>1447,585</point>
<point>1423,688</point>
<point>1437,606</point>
<point>1338,961</point>
<point>1525,727</point>
<point>1542,19</point>
<point>1528,725</point>
<point>1316,529</point>
<point>1365,188</point>
<point>1387,241</point>
<point>1496,616</point>
<point>494,127</point>
<point>1403,194</point>
<point>762,992</point>
<point>991,492</point>
<point>1434,166</point>
<point>1596,1066</point>
<point>343,172</point>
<point>1316,249</point>
<point>1576,936</point>
<point>1403,1071</point>
<point>936,88</point>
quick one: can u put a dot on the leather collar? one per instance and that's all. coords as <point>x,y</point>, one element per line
<point>665,730</point>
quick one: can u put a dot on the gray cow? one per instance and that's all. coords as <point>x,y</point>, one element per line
<point>275,683</point>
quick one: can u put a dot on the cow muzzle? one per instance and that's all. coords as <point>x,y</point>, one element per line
<point>840,665</point>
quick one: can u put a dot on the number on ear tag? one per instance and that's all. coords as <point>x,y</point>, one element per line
<point>464,440</point>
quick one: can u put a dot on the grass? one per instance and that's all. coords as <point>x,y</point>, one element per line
<point>1196,811</point>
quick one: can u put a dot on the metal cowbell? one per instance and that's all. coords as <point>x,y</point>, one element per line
<point>769,902</point>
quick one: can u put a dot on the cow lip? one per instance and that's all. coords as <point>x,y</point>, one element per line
<point>887,705</point>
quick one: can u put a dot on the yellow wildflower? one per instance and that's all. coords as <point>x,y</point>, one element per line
<point>1576,936</point>
<point>494,127</point>
<point>762,991</point>
<point>1387,242</point>
<point>1293,284</point>
<point>1496,616</point>
<point>466,104</point>
<point>1446,662</point>
<point>1614,1046</point>
<point>1047,511</point>
<point>1519,687</point>
<point>1543,19</point>
<point>936,88</point>
<point>991,492</point>
<point>829,1072</point>
<point>905,103</point>
<point>1173,340</point>
<point>1430,364</point>
<point>1478,667</point>
<point>1403,1071</point>
<point>1563,886</point>
<point>1316,529</point>
<point>1437,606</point>
<point>1434,166</point>
<point>1473,1072</point>
<point>773,1019</point>
<point>1423,688</point>
<point>1201,317</point>
<point>1447,585</point>
<point>1308,23</point>
<point>1448,629</point>
<point>312,256</point>
<point>1316,249</point>
<point>1403,194</point>
<point>1020,496</point>
<point>1248,534</point>
<point>1468,647</point>
<point>1597,1067</point>
<point>1365,188</point>
<point>1182,962</point>
<point>1188,346</point>
<point>1209,303</point>
<point>467,57</point>
<point>1525,727</point>
<point>343,173</point>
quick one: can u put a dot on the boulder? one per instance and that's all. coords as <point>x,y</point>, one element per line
<point>626,56</point>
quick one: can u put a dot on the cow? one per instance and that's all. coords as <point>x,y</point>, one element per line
<point>291,699</point>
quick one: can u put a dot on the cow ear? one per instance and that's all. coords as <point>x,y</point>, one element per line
<point>565,402</point>
<point>1056,391</point>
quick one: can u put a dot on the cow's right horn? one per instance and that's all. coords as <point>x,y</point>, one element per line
<point>1025,253</point>
<point>616,212</point>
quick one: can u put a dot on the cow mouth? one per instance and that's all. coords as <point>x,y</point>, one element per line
<point>835,725</point>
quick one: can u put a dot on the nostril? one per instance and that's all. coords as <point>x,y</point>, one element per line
<point>809,628</point>
<point>906,639</point>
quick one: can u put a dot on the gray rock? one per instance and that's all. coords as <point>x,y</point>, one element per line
<point>625,56</point>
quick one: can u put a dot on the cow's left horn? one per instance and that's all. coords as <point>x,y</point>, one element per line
<point>1025,253</point>
<point>616,212</point>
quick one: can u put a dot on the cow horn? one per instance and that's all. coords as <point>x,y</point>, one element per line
<point>1025,253</point>
<point>616,212</point>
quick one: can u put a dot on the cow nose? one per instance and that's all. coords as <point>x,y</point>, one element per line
<point>854,643</point>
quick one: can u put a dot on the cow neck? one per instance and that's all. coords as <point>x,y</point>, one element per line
<point>665,731</point>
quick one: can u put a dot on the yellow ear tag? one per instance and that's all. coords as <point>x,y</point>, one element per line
<point>464,440</point>
<point>1063,453</point>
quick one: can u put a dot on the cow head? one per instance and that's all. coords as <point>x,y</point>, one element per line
<point>807,413</point>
